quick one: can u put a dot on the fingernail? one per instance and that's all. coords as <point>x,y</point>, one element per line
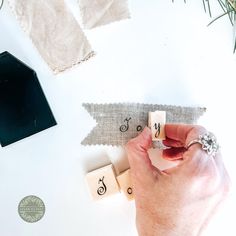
<point>146,134</point>
<point>146,131</point>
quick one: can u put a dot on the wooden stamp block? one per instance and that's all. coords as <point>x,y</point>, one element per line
<point>102,182</point>
<point>124,180</point>
<point>156,121</point>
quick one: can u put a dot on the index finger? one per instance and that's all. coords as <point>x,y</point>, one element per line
<point>182,133</point>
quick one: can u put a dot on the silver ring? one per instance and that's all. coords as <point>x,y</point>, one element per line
<point>208,142</point>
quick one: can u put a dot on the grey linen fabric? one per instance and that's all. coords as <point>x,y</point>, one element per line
<point>118,123</point>
<point>54,31</point>
<point>101,12</point>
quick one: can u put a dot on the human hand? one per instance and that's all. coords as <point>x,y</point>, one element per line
<point>178,201</point>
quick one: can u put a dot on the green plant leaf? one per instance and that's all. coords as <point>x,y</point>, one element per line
<point>1,4</point>
<point>218,17</point>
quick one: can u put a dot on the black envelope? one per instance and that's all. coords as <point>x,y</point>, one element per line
<point>24,109</point>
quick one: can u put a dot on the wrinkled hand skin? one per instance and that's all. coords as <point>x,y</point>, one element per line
<point>179,201</point>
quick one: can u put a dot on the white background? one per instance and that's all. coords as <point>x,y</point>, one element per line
<point>164,54</point>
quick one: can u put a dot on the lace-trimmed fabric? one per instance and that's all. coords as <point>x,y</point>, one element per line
<point>101,12</point>
<point>54,31</point>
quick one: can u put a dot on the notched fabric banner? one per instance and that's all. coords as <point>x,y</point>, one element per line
<point>54,31</point>
<point>118,123</point>
<point>101,12</point>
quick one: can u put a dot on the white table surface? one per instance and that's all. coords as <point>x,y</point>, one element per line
<point>164,54</point>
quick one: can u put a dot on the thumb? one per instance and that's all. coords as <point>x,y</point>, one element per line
<point>140,163</point>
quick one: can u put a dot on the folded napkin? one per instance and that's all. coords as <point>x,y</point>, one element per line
<point>54,31</point>
<point>101,12</point>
